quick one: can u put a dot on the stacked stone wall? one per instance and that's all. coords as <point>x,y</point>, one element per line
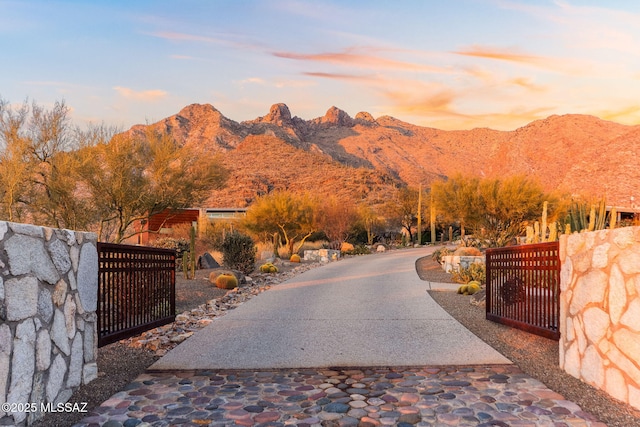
<point>48,302</point>
<point>600,310</point>
<point>452,263</point>
<point>322,255</point>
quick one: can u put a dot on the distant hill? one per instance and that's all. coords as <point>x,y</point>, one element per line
<point>365,158</point>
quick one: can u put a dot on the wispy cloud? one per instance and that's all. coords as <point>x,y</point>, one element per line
<point>254,80</point>
<point>501,54</point>
<point>574,66</point>
<point>418,98</point>
<point>353,58</point>
<point>629,114</point>
<point>145,95</point>
<point>338,76</point>
<point>527,83</point>
<point>224,39</point>
<point>423,103</point>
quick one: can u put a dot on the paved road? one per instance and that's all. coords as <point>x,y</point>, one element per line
<point>363,311</point>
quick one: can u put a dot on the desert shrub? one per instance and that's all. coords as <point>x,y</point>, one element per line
<point>295,258</point>
<point>268,268</point>
<point>180,245</point>
<point>475,272</point>
<point>438,254</point>
<point>239,252</point>
<point>226,281</point>
<point>358,250</point>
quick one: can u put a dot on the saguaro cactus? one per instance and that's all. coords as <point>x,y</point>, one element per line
<point>545,232</point>
<point>189,258</point>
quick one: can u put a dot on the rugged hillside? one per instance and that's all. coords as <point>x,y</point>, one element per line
<point>363,157</point>
<point>262,163</point>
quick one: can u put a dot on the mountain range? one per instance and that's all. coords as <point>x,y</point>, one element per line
<point>366,158</point>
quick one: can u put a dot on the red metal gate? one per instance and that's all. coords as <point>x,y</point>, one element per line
<point>523,287</point>
<point>136,290</point>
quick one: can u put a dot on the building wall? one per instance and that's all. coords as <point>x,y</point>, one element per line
<point>48,302</point>
<point>600,310</point>
<point>160,224</point>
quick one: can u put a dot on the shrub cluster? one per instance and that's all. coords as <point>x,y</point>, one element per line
<point>438,254</point>
<point>239,252</point>
<point>358,250</point>
<point>475,272</point>
<point>180,245</point>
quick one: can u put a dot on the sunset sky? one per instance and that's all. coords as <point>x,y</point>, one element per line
<point>455,64</point>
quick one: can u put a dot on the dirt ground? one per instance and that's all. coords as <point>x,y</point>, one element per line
<point>194,292</point>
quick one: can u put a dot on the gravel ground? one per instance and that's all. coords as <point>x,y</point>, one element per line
<point>192,293</point>
<point>538,357</point>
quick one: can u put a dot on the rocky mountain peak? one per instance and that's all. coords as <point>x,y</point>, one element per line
<point>336,116</point>
<point>199,112</point>
<point>573,153</point>
<point>365,118</point>
<point>279,114</point>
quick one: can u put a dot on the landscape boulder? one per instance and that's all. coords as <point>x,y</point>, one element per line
<point>206,261</point>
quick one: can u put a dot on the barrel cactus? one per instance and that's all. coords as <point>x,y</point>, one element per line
<point>268,268</point>
<point>470,288</point>
<point>473,287</point>
<point>295,258</point>
<point>226,281</point>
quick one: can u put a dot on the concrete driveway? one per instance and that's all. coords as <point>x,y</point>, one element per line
<point>364,311</point>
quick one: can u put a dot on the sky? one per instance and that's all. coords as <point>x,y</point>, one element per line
<point>447,64</point>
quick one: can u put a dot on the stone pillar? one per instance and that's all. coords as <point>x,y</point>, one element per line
<point>600,310</point>
<point>48,302</point>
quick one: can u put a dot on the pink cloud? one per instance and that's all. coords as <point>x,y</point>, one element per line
<point>502,55</point>
<point>337,76</point>
<point>349,58</point>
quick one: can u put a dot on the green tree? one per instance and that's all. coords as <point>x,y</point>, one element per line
<point>402,211</point>
<point>456,199</point>
<point>15,171</point>
<point>505,205</point>
<point>50,139</point>
<point>369,221</point>
<point>495,210</point>
<point>131,178</point>
<point>292,217</point>
<point>33,140</point>
<point>96,178</point>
